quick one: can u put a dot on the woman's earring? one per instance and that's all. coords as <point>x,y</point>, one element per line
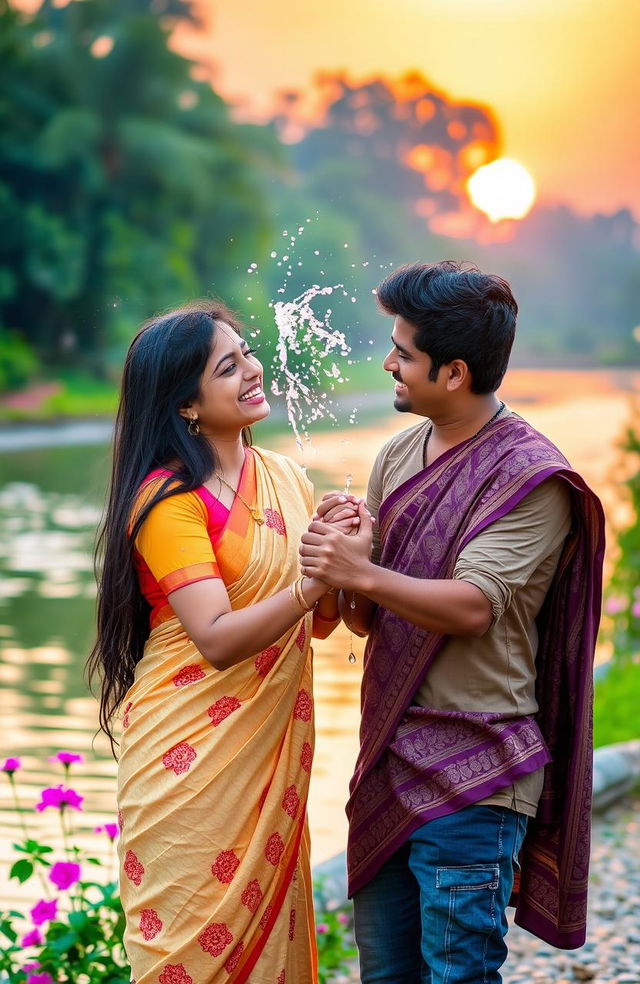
<point>193,426</point>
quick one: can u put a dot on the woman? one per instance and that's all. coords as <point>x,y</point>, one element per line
<point>203,636</point>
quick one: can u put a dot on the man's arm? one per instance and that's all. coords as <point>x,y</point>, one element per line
<point>451,607</point>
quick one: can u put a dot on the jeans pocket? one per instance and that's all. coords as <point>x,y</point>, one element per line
<point>469,896</point>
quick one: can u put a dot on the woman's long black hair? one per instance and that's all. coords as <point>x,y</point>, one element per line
<point>161,374</point>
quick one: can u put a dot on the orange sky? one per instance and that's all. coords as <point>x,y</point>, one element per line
<point>561,75</point>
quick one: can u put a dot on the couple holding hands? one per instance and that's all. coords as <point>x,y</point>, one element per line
<point>474,568</point>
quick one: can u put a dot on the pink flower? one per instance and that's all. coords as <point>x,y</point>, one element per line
<point>43,911</point>
<point>110,829</point>
<point>32,965</point>
<point>63,874</point>
<point>43,978</point>
<point>635,609</point>
<point>59,797</point>
<point>11,765</point>
<point>66,758</point>
<point>343,918</point>
<point>615,605</point>
<point>322,928</point>
<point>32,938</point>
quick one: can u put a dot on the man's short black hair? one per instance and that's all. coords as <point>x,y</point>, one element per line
<point>458,313</point>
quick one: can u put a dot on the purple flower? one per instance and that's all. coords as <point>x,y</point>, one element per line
<point>59,797</point>
<point>32,938</point>
<point>32,965</point>
<point>635,609</point>
<point>11,765</point>
<point>43,911</point>
<point>64,873</point>
<point>66,758</point>
<point>322,928</point>
<point>110,829</point>
<point>43,978</point>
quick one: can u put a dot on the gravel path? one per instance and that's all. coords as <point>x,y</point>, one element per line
<point>612,951</point>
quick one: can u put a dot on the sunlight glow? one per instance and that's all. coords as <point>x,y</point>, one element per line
<point>502,189</point>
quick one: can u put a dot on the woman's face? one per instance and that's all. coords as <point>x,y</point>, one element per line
<point>231,395</point>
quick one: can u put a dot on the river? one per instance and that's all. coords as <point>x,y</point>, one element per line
<point>50,500</point>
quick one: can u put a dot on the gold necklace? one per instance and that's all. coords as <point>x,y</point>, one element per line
<point>255,512</point>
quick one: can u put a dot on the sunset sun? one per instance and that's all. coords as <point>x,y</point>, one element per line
<point>502,189</point>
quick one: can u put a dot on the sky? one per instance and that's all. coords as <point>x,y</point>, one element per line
<point>561,76</point>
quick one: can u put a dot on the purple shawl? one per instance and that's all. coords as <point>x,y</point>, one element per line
<point>419,763</point>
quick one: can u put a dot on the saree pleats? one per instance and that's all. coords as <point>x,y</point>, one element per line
<point>214,775</point>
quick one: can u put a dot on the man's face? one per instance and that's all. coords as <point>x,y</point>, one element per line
<point>415,392</point>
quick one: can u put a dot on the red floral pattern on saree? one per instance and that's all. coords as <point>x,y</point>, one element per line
<point>126,721</point>
<point>266,916</point>
<point>215,938</point>
<point>179,758</point>
<point>150,923</point>
<point>133,868</point>
<point>120,816</point>
<point>175,974</point>
<point>188,674</point>
<point>222,709</point>
<point>252,895</point>
<point>291,802</point>
<point>303,706</point>
<point>281,978</point>
<point>306,757</point>
<point>274,849</point>
<point>232,962</point>
<point>292,924</point>
<point>225,866</point>
<point>265,660</point>
<point>274,521</point>
<point>301,636</point>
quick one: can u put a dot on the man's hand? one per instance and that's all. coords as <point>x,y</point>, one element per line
<point>326,553</point>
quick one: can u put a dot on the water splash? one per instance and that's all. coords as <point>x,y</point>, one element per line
<point>301,331</point>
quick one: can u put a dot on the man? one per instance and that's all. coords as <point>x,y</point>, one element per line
<point>481,599</point>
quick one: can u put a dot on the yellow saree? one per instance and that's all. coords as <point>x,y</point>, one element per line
<point>214,773</point>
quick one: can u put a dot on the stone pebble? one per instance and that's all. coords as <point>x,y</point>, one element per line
<point>611,954</point>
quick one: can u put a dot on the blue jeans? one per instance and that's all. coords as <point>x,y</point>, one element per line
<point>435,912</point>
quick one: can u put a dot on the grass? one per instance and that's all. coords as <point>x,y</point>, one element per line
<point>617,700</point>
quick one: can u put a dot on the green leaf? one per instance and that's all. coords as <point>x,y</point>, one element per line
<point>77,919</point>
<point>22,870</point>
<point>64,942</point>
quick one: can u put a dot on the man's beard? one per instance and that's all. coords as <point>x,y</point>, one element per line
<point>402,406</point>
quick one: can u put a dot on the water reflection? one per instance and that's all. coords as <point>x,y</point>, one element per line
<point>50,503</point>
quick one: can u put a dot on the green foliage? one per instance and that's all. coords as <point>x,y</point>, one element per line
<point>124,186</point>
<point>617,699</point>
<point>18,362</point>
<point>623,596</point>
<point>334,934</point>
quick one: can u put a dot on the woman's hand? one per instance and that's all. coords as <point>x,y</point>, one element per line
<point>341,510</point>
<point>328,555</point>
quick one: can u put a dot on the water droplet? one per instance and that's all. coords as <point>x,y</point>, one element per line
<point>352,657</point>
<point>273,254</point>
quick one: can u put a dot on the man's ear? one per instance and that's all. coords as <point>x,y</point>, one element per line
<point>458,375</point>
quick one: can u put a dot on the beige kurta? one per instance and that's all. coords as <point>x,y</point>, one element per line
<point>512,562</point>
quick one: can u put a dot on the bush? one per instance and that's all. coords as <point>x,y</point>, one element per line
<point>18,363</point>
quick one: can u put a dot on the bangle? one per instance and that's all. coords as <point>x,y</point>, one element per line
<point>296,594</point>
<point>324,618</point>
